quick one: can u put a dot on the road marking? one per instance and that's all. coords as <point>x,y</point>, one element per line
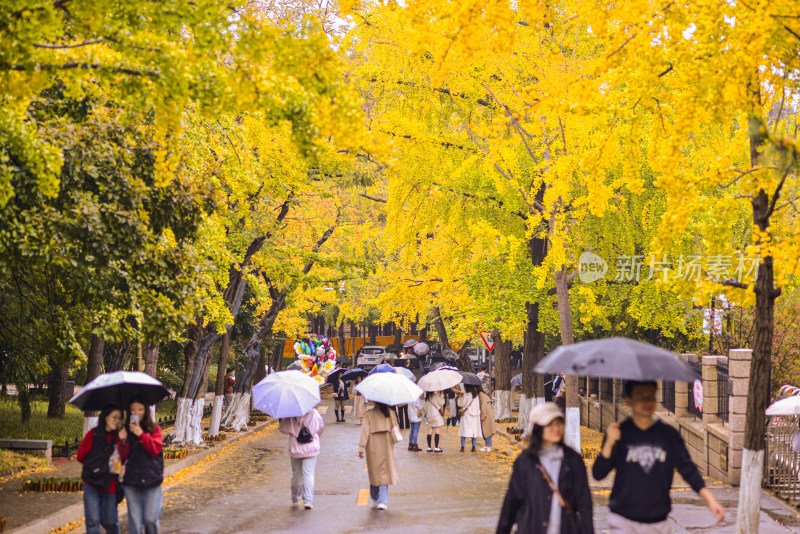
<point>363,497</point>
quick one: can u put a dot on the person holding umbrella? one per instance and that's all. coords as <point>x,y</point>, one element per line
<point>304,448</point>
<point>549,489</point>
<point>99,484</point>
<point>488,427</point>
<point>415,413</point>
<point>469,410</point>
<point>340,396</point>
<point>645,453</point>
<point>144,469</point>
<point>434,415</point>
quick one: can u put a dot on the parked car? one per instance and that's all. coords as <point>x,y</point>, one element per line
<point>370,356</point>
<point>474,358</point>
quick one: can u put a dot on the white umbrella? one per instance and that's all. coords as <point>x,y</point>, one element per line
<point>787,406</point>
<point>286,394</point>
<point>421,349</point>
<point>440,380</point>
<point>406,373</point>
<point>389,388</point>
<point>119,389</point>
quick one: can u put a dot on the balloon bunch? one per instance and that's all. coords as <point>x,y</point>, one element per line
<point>316,356</point>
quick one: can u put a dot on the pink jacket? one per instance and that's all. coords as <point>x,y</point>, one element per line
<point>292,425</point>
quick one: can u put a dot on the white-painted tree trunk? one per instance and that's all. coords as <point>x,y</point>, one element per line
<point>750,492</point>
<point>216,415</point>
<point>238,413</point>
<point>572,432</point>
<point>89,423</point>
<point>188,421</point>
<point>502,403</point>
<point>525,407</point>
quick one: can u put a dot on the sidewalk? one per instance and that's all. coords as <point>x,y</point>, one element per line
<point>34,512</point>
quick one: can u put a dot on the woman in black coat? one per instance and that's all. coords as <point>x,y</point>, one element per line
<point>530,503</point>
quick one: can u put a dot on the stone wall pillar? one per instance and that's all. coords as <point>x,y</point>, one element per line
<point>682,393</point>
<point>710,389</point>
<point>739,371</point>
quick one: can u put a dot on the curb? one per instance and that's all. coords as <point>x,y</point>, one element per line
<point>74,512</point>
<point>510,438</point>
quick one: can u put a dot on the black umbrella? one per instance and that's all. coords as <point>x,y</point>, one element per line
<point>353,374</point>
<point>397,349</point>
<point>343,359</point>
<point>335,375</point>
<point>617,357</point>
<point>119,389</point>
<point>470,379</point>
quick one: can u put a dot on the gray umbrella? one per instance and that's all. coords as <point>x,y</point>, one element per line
<point>470,379</point>
<point>410,343</point>
<point>617,357</point>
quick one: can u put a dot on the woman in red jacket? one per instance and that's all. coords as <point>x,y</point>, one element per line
<point>144,468</point>
<point>99,484</point>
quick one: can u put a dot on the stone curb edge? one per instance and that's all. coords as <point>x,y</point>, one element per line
<point>74,512</point>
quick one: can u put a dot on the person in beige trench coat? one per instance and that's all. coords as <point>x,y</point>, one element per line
<point>377,445</point>
<point>359,404</point>
<point>487,419</point>
<point>434,415</point>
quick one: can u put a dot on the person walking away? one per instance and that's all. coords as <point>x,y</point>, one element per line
<point>434,415</point>
<point>415,413</point>
<point>359,405</point>
<point>645,452</point>
<point>99,483</point>
<point>488,427</point>
<point>469,410</point>
<point>144,469</point>
<point>304,448</point>
<point>229,381</point>
<point>549,489</point>
<point>377,444</point>
<point>341,396</point>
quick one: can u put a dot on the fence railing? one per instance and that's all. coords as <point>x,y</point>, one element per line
<point>781,463</point>
<point>606,387</point>
<point>724,387</point>
<point>668,396</point>
<point>693,409</point>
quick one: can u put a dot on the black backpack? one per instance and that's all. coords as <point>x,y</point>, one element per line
<point>304,436</point>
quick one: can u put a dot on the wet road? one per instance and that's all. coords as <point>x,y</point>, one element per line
<point>247,489</point>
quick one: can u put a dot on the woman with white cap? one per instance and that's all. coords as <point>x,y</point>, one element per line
<point>549,489</point>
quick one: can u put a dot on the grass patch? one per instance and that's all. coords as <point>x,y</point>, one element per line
<point>18,460</point>
<point>39,426</point>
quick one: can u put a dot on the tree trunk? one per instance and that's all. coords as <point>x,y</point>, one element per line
<point>463,359</point>
<point>532,383</point>
<point>398,336</point>
<point>572,436</point>
<point>57,391</point>
<point>151,359</point>
<point>277,354</point>
<point>503,400</point>
<point>441,331</point>
<point>94,367</point>
<point>24,399</point>
<point>758,385</point>
<point>342,341</point>
<point>120,355</point>
<point>219,390</point>
<point>261,367</point>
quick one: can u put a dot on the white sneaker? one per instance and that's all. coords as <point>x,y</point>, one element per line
<point>382,506</point>
<point>374,503</point>
<point>296,505</point>
<point>308,506</point>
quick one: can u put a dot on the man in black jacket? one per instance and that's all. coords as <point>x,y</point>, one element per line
<point>645,453</point>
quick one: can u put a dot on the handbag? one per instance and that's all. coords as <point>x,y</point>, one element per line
<point>304,436</point>
<point>397,437</point>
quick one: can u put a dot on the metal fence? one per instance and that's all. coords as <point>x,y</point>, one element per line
<point>724,387</point>
<point>668,396</point>
<point>606,387</point>
<point>781,463</point>
<point>693,409</point>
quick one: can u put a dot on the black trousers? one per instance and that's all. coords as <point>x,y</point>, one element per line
<point>402,417</point>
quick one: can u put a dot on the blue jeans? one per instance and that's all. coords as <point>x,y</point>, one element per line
<point>144,508</point>
<point>488,441</point>
<point>464,440</point>
<point>100,508</point>
<point>379,493</point>
<point>413,433</point>
<point>303,479</point>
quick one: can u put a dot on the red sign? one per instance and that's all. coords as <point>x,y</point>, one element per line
<point>486,336</point>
